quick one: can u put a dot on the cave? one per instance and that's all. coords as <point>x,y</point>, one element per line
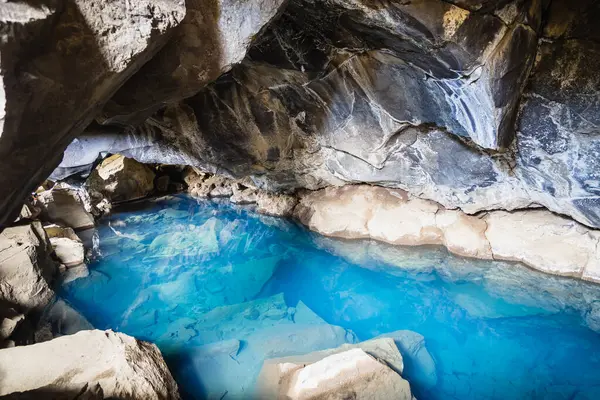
<point>300,199</point>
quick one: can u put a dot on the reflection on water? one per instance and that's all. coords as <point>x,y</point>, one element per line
<point>219,288</point>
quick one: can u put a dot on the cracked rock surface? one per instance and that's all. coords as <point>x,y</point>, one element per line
<point>475,105</point>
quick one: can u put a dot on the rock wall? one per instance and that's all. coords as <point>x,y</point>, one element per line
<point>475,105</point>
<point>61,61</point>
<point>106,364</point>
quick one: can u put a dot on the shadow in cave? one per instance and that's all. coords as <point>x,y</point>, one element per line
<point>42,113</point>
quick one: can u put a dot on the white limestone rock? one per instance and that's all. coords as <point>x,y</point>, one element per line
<point>119,178</point>
<point>537,238</point>
<point>369,370</point>
<point>26,267</point>
<point>123,367</point>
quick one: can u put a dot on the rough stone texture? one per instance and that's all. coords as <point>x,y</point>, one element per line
<point>70,252</point>
<point>417,96</point>
<point>123,367</point>
<point>84,51</point>
<point>558,134</point>
<point>213,36</point>
<point>26,268</point>
<point>537,238</point>
<point>120,178</point>
<point>10,319</point>
<point>64,206</point>
<point>366,370</point>
<point>273,204</point>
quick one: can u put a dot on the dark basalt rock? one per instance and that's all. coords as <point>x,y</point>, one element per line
<point>475,104</point>
<point>61,61</point>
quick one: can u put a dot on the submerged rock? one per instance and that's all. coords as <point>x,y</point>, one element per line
<point>61,61</point>
<point>120,179</point>
<point>418,361</point>
<point>122,366</point>
<point>369,369</point>
<point>393,216</point>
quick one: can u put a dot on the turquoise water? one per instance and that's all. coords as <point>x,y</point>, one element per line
<point>220,288</point>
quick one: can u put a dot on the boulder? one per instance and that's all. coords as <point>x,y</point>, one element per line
<point>280,205</point>
<point>64,206</point>
<point>57,231</point>
<point>61,61</point>
<point>162,183</point>
<point>70,252</point>
<point>367,370</point>
<point>26,267</point>
<point>212,38</point>
<point>122,366</point>
<point>121,179</point>
<point>418,362</point>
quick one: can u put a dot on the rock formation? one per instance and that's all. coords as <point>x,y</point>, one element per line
<point>370,369</point>
<point>113,364</point>
<point>84,51</point>
<point>27,270</point>
<point>119,179</point>
<point>537,238</point>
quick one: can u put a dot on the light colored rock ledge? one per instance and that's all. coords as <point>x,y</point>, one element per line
<point>89,364</point>
<point>538,238</point>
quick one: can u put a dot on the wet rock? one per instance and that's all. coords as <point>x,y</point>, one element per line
<point>370,369</point>
<point>83,53</point>
<point>419,364</point>
<point>121,365</point>
<point>280,205</point>
<point>390,215</point>
<point>120,179</point>
<point>27,268</point>
<point>70,252</point>
<point>64,206</point>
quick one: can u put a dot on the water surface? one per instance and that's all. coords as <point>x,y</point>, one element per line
<point>220,288</point>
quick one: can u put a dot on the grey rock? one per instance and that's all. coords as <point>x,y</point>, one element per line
<point>10,319</point>
<point>84,51</point>
<point>27,268</point>
<point>64,206</point>
<point>121,365</point>
<point>212,37</point>
<point>119,179</point>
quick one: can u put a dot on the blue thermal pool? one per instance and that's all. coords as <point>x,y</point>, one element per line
<point>220,288</point>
